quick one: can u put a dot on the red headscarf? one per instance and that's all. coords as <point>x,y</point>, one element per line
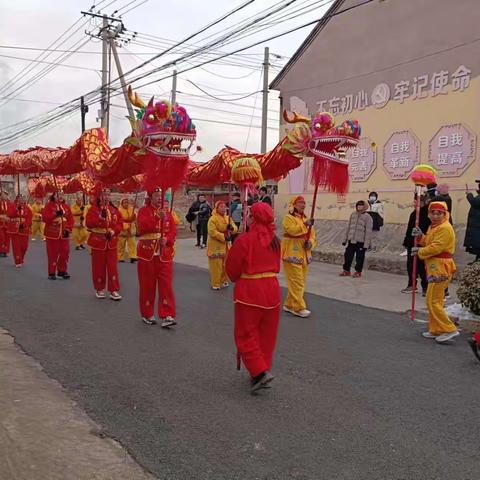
<point>263,222</point>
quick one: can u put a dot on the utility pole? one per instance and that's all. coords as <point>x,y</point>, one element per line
<point>83,111</point>
<point>173,97</point>
<point>103,101</point>
<point>263,146</point>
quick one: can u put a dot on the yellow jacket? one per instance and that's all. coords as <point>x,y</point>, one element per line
<point>294,236</point>
<point>436,246</point>
<point>216,243</point>
<point>176,218</point>
<point>128,226</point>
<point>37,211</point>
<point>77,213</point>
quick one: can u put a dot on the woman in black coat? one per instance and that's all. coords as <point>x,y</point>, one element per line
<point>472,234</point>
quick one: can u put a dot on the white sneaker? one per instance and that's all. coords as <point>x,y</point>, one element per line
<point>100,294</point>
<point>115,296</point>
<point>168,322</point>
<point>149,321</point>
<point>303,313</point>
<point>225,284</point>
<point>429,335</point>
<point>289,310</point>
<point>215,288</point>
<point>445,337</point>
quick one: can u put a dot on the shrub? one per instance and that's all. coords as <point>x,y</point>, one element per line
<point>469,289</point>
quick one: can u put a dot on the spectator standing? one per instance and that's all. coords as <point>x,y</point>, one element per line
<point>375,210</point>
<point>472,234</point>
<point>358,239</point>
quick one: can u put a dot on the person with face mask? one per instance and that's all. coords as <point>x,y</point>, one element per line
<point>375,210</point>
<point>59,222</point>
<point>19,226</point>
<point>4,236</point>
<point>155,251</point>
<point>358,237</point>
<point>297,244</point>
<point>472,233</point>
<point>221,229</point>
<point>253,263</point>
<point>436,249</point>
<point>104,223</point>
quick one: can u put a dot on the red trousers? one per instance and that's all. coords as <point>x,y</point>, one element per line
<point>19,247</point>
<point>58,253</point>
<point>4,240</point>
<point>155,275</point>
<point>105,265</point>
<point>476,336</point>
<point>255,336</point>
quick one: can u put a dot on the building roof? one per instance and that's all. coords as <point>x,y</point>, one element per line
<point>306,43</point>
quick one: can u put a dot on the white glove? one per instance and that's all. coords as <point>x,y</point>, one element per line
<point>417,232</point>
<point>414,252</point>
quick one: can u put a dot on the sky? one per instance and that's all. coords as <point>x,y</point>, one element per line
<point>36,24</point>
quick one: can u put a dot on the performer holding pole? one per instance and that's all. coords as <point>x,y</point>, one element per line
<point>58,220</point>
<point>104,223</point>
<point>19,227</point>
<point>4,235</point>
<point>253,263</point>
<point>155,251</point>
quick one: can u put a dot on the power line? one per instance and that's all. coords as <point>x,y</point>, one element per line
<point>49,63</point>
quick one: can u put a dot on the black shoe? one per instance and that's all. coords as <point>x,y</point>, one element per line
<point>197,244</point>
<point>82,247</point>
<point>261,381</point>
<point>133,260</point>
<point>475,348</point>
<point>64,275</point>
<point>77,248</point>
<point>424,293</point>
<point>52,277</point>
<point>122,261</point>
<point>3,255</point>
<point>149,321</point>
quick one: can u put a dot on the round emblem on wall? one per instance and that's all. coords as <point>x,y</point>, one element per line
<point>380,95</point>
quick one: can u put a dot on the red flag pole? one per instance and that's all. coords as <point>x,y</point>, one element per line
<point>418,192</point>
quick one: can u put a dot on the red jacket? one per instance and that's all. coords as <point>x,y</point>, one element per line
<point>103,230</point>
<point>19,221</point>
<point>3,212</point>
<point>149,226</point>
<point>56,225</point>
<point>248,258</point>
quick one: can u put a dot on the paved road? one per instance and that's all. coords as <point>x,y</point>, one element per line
<point>359,394</point>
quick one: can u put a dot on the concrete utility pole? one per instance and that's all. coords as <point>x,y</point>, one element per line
<point>173,96</point>
<point>104,101</point>
<point>266,64</point>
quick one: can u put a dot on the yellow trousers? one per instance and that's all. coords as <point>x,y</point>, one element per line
<point>128,242</point>
<point>79,235</point>
<point>218,277</point>
<point>37,228</point>
<point>296,275</point>
<point>438,320</point>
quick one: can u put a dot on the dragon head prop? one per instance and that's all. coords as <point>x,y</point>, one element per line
<point>162,128</point>
<point>327,143</point>
<point>164,135</point>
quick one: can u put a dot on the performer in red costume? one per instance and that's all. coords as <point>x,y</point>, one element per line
<point>19,227</point>
<point>155,251</point>
<point>4,236</point>
<point>253,263</point>
<point>103,221</point>
<point>58,220</point>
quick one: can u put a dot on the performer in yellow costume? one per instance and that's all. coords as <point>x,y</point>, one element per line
<point>80,232</point>
<point>38,227</point>
<point>297,245</point>
<point>437,249</point>
<point>127,235</point>
<point>220,231</point>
